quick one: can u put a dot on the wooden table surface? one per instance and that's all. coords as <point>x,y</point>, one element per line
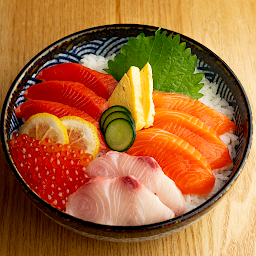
<point>227,27</point>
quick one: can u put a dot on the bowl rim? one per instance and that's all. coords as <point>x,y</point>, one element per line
<point>201,208</point>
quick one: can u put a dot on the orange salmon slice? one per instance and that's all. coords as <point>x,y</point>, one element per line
<point>196,133</point>
<point>211,117</point>
<point>29,108</point>
<point>178,159</point>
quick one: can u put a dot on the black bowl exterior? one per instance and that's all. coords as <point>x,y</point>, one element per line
<point>215,70</point>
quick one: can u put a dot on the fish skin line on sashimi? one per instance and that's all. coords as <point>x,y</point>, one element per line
<point>179,160</point>
<point>73,94</point>
<point>211,117</point>
<point>119,201</point>
<point>32,107</point>
<point>196,133</point>
<point>145,169</point>
<point>102,84</point>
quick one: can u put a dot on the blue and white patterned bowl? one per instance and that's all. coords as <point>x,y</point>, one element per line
<point>105,41</point>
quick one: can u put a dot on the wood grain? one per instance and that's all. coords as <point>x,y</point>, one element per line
<point>226,27</point>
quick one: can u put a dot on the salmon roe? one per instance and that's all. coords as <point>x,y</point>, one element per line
<point>53,171</point>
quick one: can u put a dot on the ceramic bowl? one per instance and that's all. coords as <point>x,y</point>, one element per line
<point>106,40</point>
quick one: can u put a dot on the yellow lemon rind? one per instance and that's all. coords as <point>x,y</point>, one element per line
<point>52,125</point>
<point>90,132</point>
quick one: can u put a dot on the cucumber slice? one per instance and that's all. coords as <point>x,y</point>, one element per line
<point>111,110</point>
<point>120,134</point>
<point>115,115</point>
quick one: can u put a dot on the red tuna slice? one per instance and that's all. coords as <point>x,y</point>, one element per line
<point>146,170</point>
<point>29,108</point>
<point>102,84</point>
<point>119,201</point>
<point>72,94</point>
<point>196,133</point>
<point>211,117</point>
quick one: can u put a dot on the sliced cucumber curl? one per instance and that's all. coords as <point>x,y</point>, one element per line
<point>120,134</point>
<point>118,127</point>
<point>111,110</point>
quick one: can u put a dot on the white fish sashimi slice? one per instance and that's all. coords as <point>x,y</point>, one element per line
<point>119,201</point>
<point>144,168</point>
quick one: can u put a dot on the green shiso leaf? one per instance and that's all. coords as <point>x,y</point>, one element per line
<point>171,62</point>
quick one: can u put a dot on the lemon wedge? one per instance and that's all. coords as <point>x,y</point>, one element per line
<point>45,125</point>
<point>82,134</point>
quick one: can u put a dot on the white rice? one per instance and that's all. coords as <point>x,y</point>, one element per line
<point>96,62</point>
<point>211,99</point>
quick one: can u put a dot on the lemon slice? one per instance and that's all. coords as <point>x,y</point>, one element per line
<point>45,125</point>
<point>82,134</point>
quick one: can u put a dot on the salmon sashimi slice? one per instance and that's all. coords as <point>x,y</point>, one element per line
<point>179,160</point>
<point>146,170</point>
<point>119,201</point>
<point>102,84</point>
<point>211,117</point>
<point>196,133</point>
<point>70,93</point>
<point>29,108</point>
